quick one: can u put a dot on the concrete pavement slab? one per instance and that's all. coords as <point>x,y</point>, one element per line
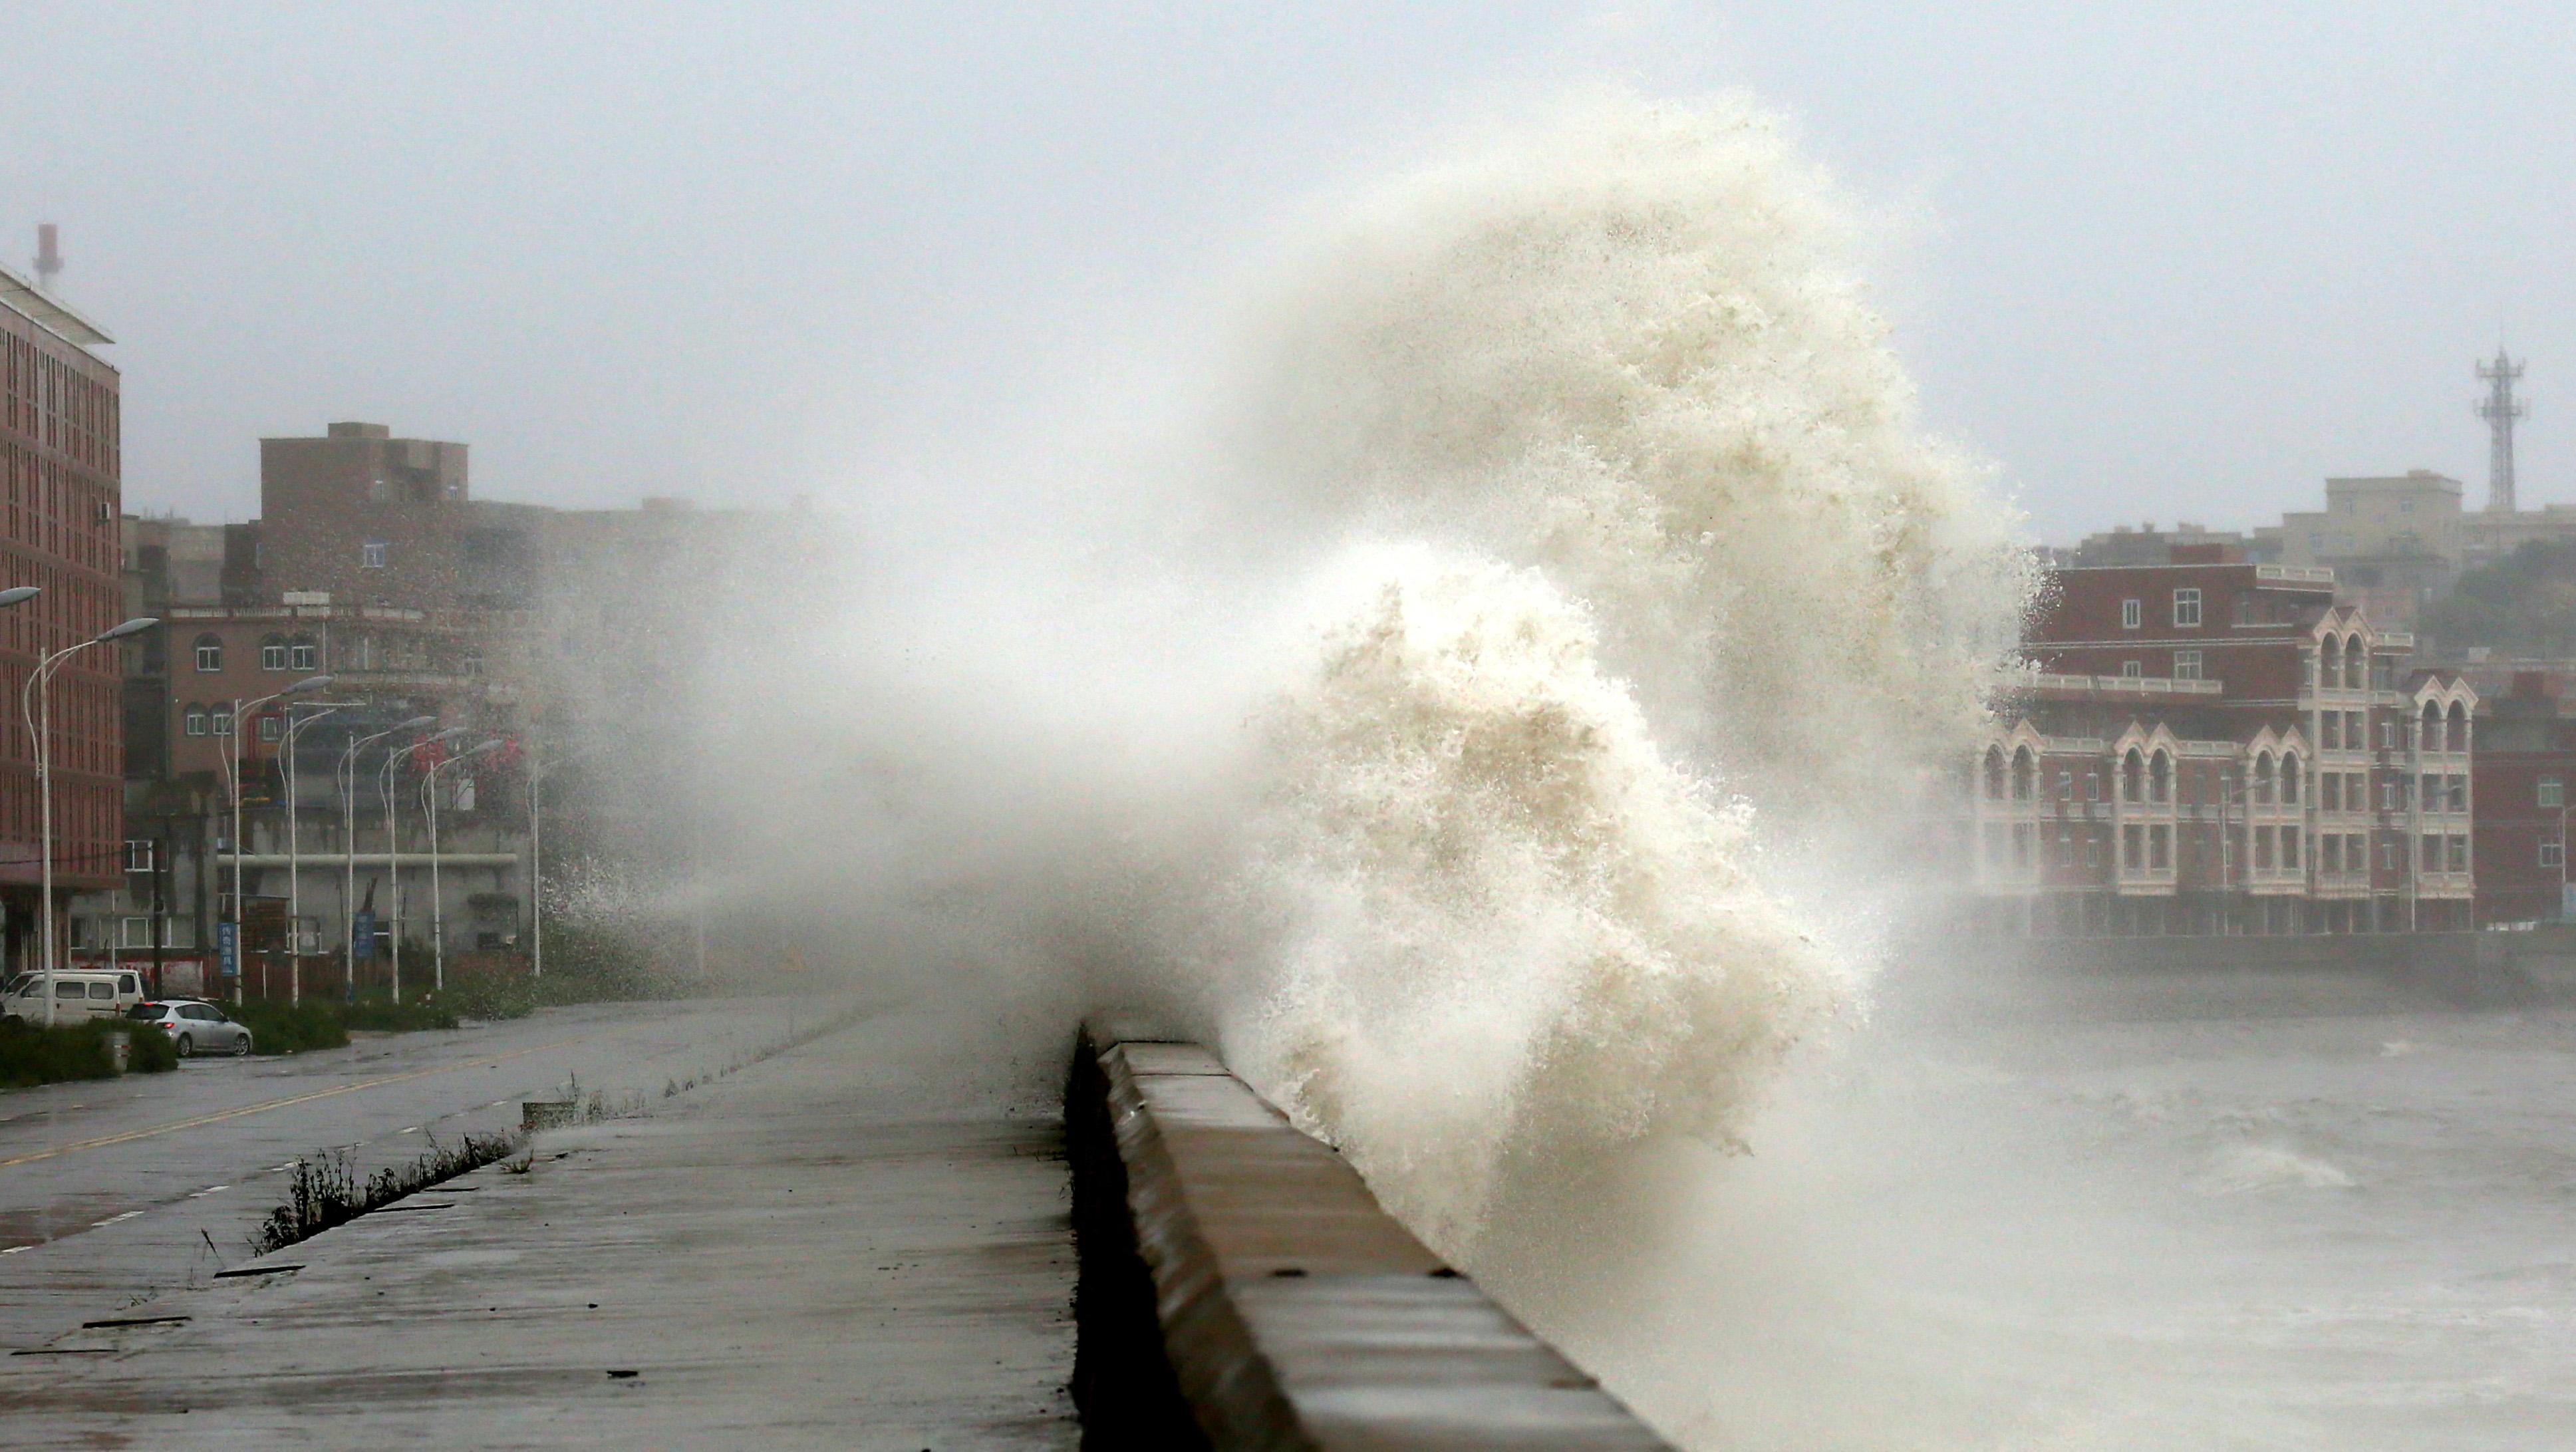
<point>809,1253</point>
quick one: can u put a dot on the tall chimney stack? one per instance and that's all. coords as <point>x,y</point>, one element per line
<point>49,253</point>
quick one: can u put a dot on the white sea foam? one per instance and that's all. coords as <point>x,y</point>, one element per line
<point>1679,584</point>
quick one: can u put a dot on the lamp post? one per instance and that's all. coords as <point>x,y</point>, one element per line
<point>35,703</point>
<point>294,860</point>
<point>393,840</point>
<point>240,708</point>
<point>536,853</point>
<point>437,904</point>
<point>347,774</point>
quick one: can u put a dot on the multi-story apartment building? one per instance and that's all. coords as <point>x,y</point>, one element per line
<point>2212,746</point>
<point>60,460</point>
<point>2525,765</point>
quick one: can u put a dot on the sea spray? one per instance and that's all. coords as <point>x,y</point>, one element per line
<point>1482,908</point>
<point>1680,586</point>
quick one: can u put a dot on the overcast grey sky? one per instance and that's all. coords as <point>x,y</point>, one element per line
<point>2180,260</point>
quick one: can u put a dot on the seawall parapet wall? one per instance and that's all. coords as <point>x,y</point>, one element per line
<point>1241,1288</point>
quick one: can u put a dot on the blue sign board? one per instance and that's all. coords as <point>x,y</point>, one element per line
<point>228,948</point>
<point>362,936</point>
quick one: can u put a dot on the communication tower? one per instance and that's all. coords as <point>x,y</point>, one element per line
<point>49,254</point>
<point>2500,409</point>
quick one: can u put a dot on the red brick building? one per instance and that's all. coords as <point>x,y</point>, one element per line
<point>2525,762</point>
<point>2217,747</point>
<point>59,458</point>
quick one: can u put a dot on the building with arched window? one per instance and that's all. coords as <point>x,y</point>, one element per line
<point>2222,748</point>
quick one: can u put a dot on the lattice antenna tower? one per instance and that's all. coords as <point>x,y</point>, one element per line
<point>2501,410</point>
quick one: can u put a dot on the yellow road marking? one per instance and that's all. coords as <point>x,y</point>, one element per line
<point>478,1062</point>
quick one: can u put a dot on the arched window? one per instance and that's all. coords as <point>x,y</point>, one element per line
<point>2160,778</point>
<point>210,653</point>
<point>195,720</point>
<point>2330,663</point>
<point>2356,665</point>
<point>2289,779</point>
<point>2025,775</point>
<point>1994,774</point>
<point>2459,732</point>
<point>2133,777</point>
<point>272,653</point>
<point>2432,727</point>
<point>2263,778</point>
<point>302,656</point>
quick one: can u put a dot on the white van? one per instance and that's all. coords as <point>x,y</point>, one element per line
<point>78,993</point>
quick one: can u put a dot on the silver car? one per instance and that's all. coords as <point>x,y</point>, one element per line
<point>193,1024</point>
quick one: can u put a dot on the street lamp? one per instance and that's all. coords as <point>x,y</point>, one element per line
<point>393,840</point>
<point>36,704</point>
<point>294,861</point>
<point>537,855</point>
<point>240,709</point>
<point>437,904</point>
<point>347,775</point>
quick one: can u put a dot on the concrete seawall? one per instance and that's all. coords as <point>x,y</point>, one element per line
<point>1241,1288</point>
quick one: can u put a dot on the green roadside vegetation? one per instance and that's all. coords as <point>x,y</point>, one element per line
<point>582,967</point>
<point>34,1054</point>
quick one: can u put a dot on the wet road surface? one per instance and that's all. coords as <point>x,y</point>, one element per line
<point>113,1190</point>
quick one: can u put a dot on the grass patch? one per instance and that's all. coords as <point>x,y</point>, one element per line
<point>276,1028</point>
<point>33,1054</point>
<point>326,1191</point>
<point>383,1015</point>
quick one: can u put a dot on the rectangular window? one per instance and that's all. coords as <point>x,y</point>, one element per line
<point>2553,791</point>
<point>270,728</point>
<point>2356,851</point>
<point>2459,854</point>
<point>2066,786</point>
<point>2289,849</point>
<point>2132,670</point>
<point>2333,782</point>
<point>2187,608</point>
<point>2133,613</point>
<point>2330,731</point>
<point>2388,856</point>
<point>2388,736</point>
<point>2332,847</point>
<point>2092,786</point>
<point>222,717</point>
<point>272,657</point>
<point>2159,848</point>
<point>2553,854</point>
<point>2388,795</point>
<point>210,658</point>
<point>2186,665</point>
<point>371,555</point>
<point>2430,860</point>
<point>2132,847</point>
<point>2356,731</point>
<point>2023,836</point>
<point>2262,849</point>
<point>2428,792</point>
<point>138,854</point>
<point>2459,793</point>
<point>304,656</point>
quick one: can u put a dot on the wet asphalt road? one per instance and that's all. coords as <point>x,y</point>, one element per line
<point>115,1190</point>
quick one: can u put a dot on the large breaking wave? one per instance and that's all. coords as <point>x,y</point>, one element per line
<point>1652,586</point>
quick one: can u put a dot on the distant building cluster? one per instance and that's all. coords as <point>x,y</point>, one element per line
<point>2236,732</point>
<point>309,670</point>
